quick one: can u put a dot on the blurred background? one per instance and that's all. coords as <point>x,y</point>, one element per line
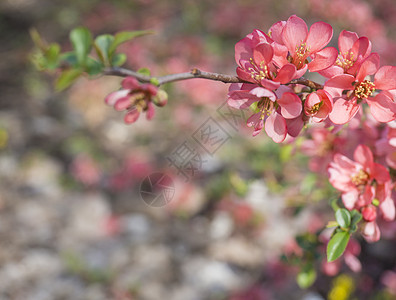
<point>73,224</point>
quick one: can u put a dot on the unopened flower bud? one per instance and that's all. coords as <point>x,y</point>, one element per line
<point>161,99</point>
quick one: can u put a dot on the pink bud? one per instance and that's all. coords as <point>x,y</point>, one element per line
<point>369,213</point>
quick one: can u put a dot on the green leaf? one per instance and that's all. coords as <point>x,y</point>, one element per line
<point>144,71</point>
<point>306,277</point>
<point>37,40</point>
<point>334,204</point>
<point>125,36</point>
<point>67,78</point>
<point>155,81</point>
<point>355,217</point>
<point>52,56</point>
<point>81,39</point>
<point>343,217</point>
<point>70,58</point>
<point>102,45</point>
<point>337,245</point>
<point>93,67</point>
<point>118,59</point>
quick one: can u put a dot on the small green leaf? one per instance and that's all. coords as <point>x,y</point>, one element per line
<point>154,81</point>
<point>343,217</point>
<point>37,40</point>
<point>67,78</point>
<point>332,224</point>
<point>93,67</point>
<point>144,71</point>
<point>70,58</point>
<point>81,39</point>
<point>306,277</point>
<point>337,245</point>
<point>334,204</point>
<point>125,36</point>
<point>52,56</point>
<point>355,217</point>
<point>118,59</point>
<point>102,45</point>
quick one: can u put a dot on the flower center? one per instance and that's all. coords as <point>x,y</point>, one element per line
<point>301,54</point>
<point>314,109</point>
<point>361,178</point>
<point>364,89</point>
<point>265,106</point>
<point>346,60</point>
<point>258,72</point>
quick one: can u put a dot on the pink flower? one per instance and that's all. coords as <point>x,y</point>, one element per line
<point>256,59</point>
<point>135,98</point>
<point>303,44</point>
<point>355,179</point>
<point>271,111</point>
<point>349,91</point>
<point>318,105</point>
<point>353,50</point>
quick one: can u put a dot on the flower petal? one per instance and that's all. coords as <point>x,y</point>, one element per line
<point>343,110</point>
<point>130,83</point>
<point>243,50</point>
<point>286,74</point>
<point>385,78</point>
<point>323,59</point>
<point>241,99</point>
<point>260,92</point>
<point>131,116</point>
<point>319,36</point>
<point>295,32</point>
<point>122,104</point>
<point>369,66</point>
<point>364,156</point>
<point>387,209</point>
<point>112,98</point>
<point>382,108</point>
<point>337,84</point>
<point>346,41</point>
<point>291,106</point>
<point>262,54</point>
<point>275,127</point>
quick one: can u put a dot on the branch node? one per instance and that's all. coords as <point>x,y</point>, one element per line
<point>195,72</point>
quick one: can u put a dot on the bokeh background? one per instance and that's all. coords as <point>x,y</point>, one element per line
<point>72,222</point>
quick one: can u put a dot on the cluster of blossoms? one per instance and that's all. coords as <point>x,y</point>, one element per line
<point>365,186</point>
<point>271,65</point>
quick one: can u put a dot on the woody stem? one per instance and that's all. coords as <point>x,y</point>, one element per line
<point>195,73</point>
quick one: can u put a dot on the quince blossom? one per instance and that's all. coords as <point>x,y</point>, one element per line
<point>256,59</point>
<point>348,91</point>
<point>364,185</point>
<point>272,109</point>
<point>303,44</point>
<point>135,98</point>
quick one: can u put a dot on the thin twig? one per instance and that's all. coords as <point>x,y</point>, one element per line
<point>196,73</point>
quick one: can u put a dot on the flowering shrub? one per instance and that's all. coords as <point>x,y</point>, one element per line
<point>357,92</point>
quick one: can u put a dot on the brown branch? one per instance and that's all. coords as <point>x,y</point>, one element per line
<point>196,73</point>
<point>308,83</point>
